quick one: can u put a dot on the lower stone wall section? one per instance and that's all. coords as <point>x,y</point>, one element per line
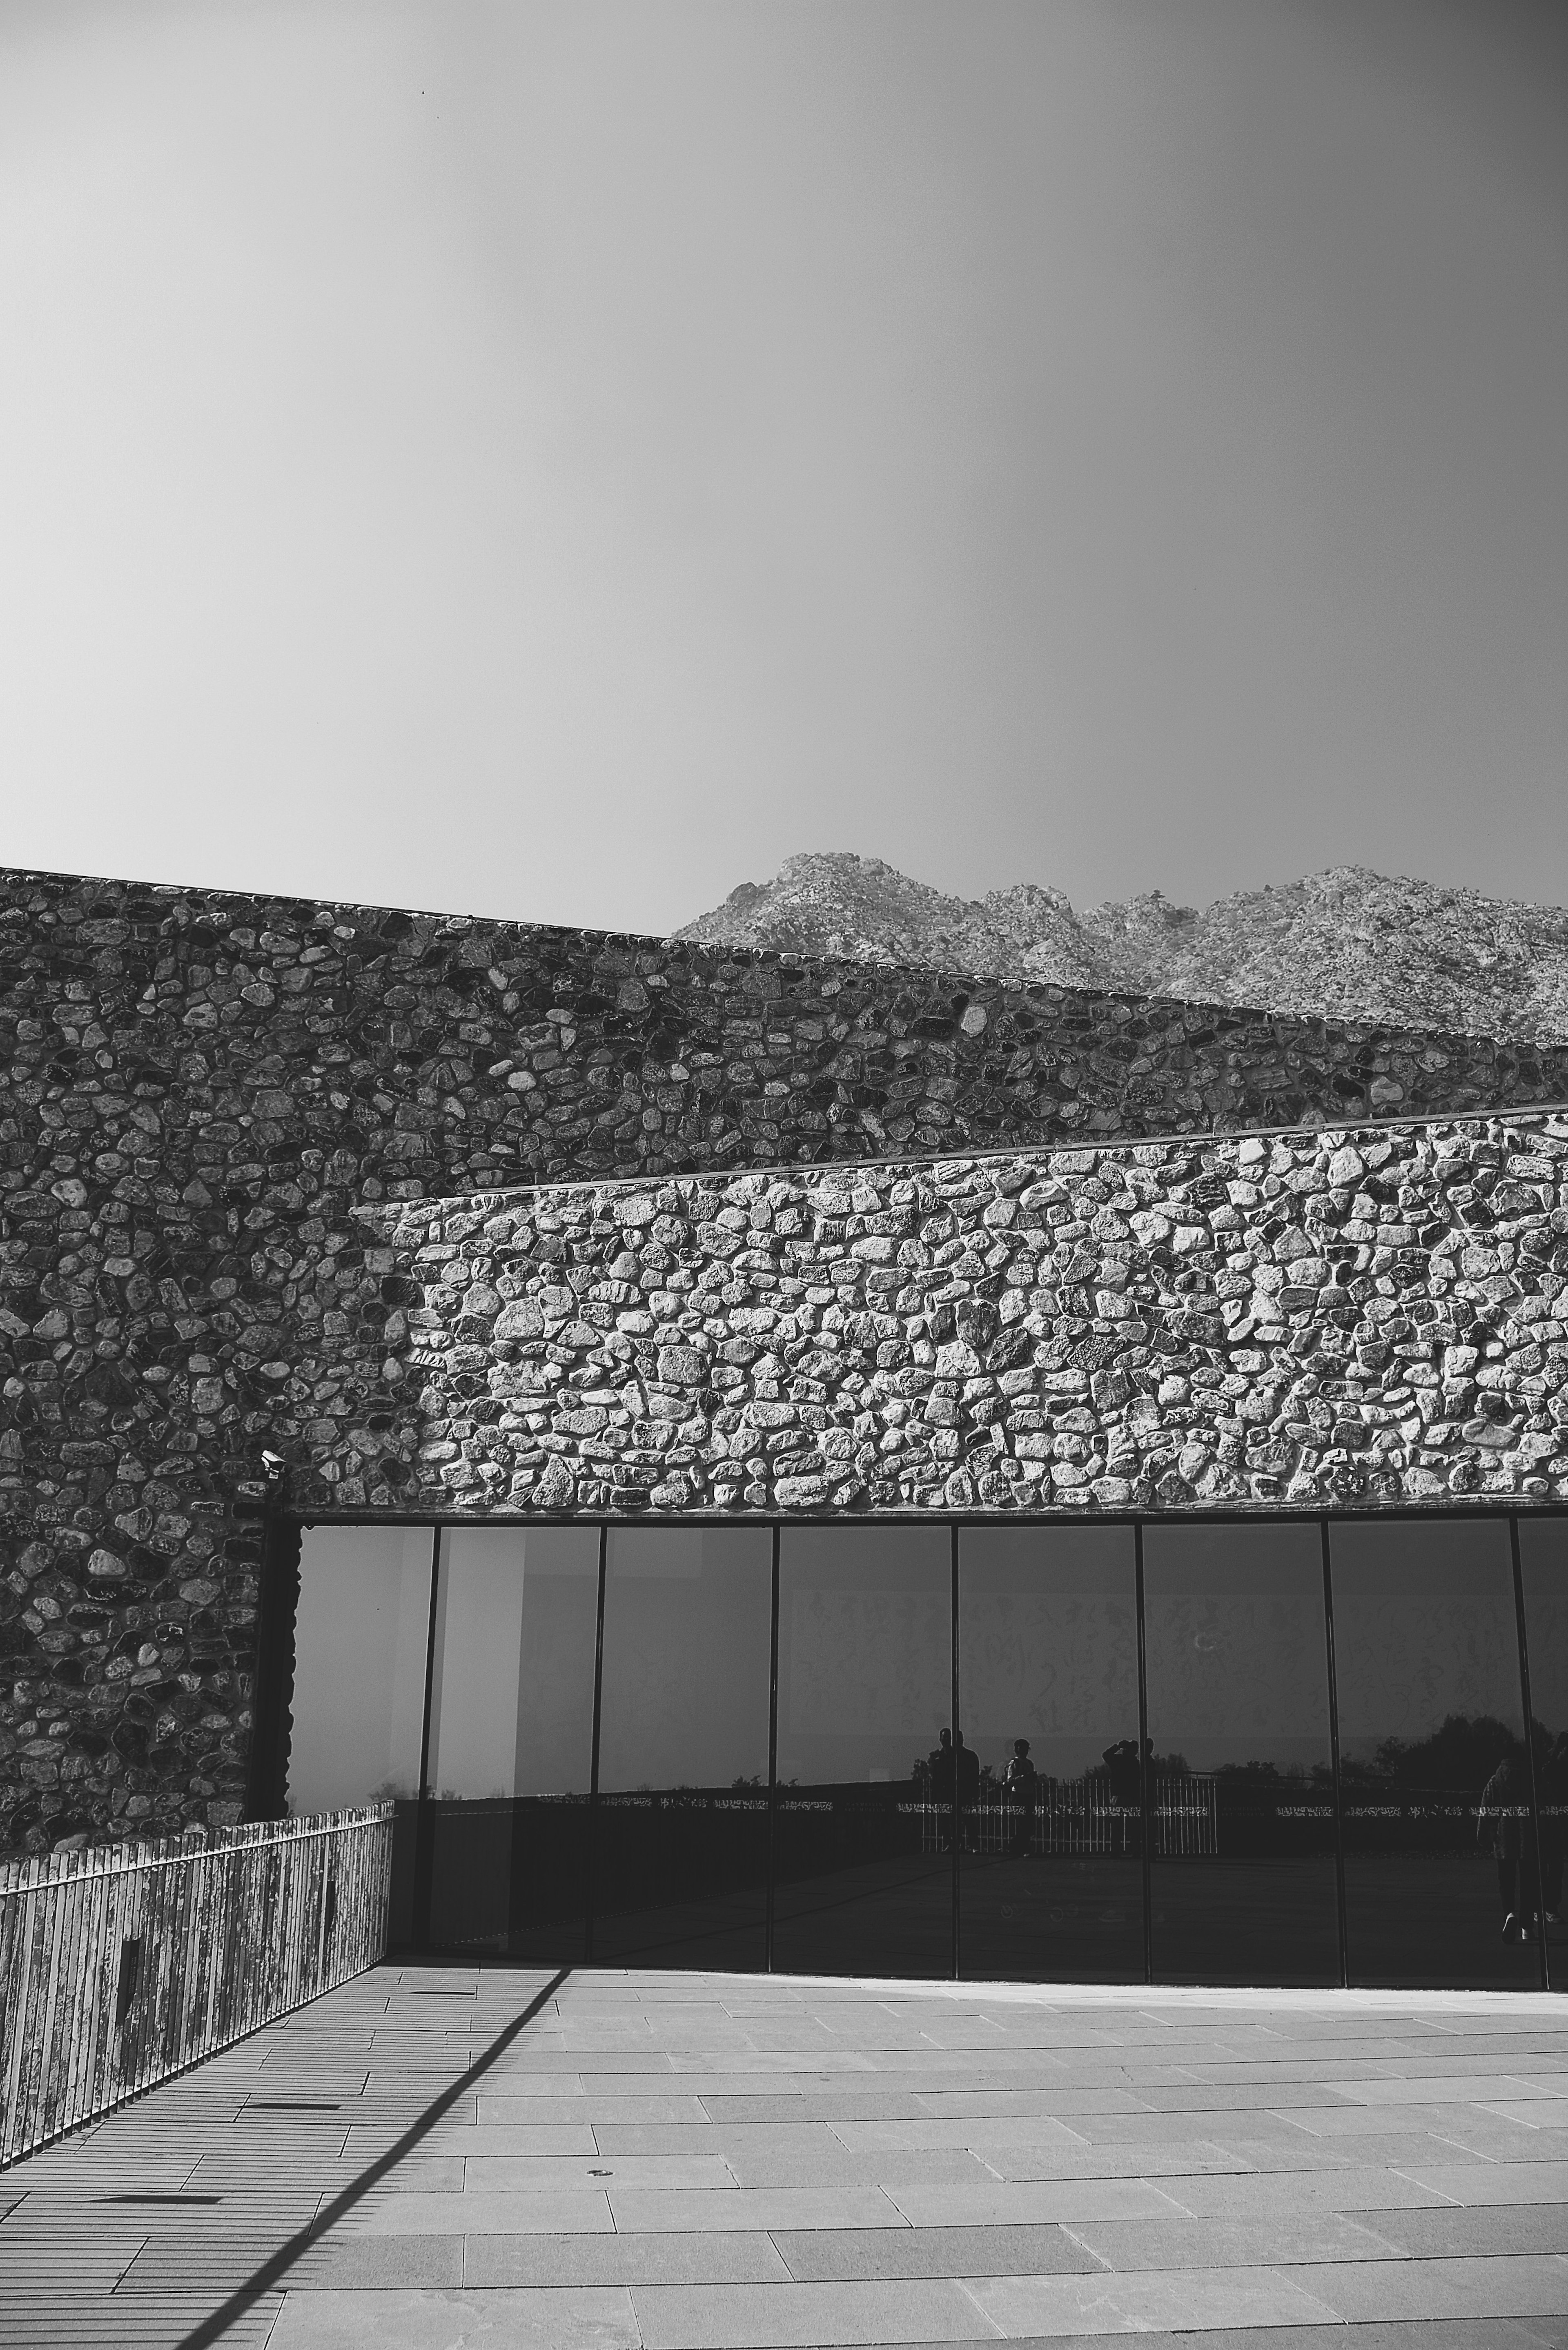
<point>1372,1317</point>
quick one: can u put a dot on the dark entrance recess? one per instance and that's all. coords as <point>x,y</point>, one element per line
<point>1263,1750</point>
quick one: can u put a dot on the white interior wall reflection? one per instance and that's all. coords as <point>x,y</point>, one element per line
<point>688,1635</point>
<point>865,1650</point>
<point>360,1638</point>
<point>511,1696</point>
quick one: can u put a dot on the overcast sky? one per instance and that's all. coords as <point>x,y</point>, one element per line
<point>556,461</point>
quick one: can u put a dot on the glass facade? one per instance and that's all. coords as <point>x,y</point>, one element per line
<point>1260,1750</point>
<point>1439,1882</point>
<point>1544,1563</point>
<point>361,1639</point>
<point>511,1737</point>
<point>681,1854</point>
<point>863,1876</point>
<point>1051,1873</point>
<point>1240,1760</point>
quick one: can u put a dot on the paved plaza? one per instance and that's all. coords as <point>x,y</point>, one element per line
<point>432,2159</point>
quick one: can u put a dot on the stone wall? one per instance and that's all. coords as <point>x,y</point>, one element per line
<point>197,1090</point>
<point>1376,1317</point>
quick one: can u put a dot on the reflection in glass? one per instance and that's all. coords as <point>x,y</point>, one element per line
<point>359,1666</point>
<point>1242,1870</point>
<point>512,1737</point>
<point>681,1833</point>
<point>1052,1887</point>
<point>358,1708</point>
<point>863,1872</point>
<point>1543,1555</point>
<point>1440,1883</point>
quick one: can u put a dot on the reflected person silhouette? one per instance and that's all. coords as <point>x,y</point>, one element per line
<point>1552,1785</point>
<point>1020,1785</point>
<point>1502,1828</point>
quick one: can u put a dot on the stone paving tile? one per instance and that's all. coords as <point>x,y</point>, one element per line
<point>1177,2158</point>
<point>1441,2231</point>
<point>530,2174</point>
<point>1479,2089</point>
<point>1397,2334</point>
<point>218,2265</point>
<point>583,2111</point>
<point>716,2257</point>
<point>757,2317</point>
<point>1269,2195</point>
<point>1382,2121</point>
<point>1520,2285</point>
<point>586,2318</point>
<point>40,2257</point>
<point>868,2104</point>
<point>726,2137</point>
<point>821,2255</point>
<point>1226,2243</point>
<point>1148,2128</point>
<point>1185,2299</point>
<point>509,2139</point>
<point>943,2166</point>
<point>936,2130</point>
<point>559,2211</point>
<point>68,2319</point>
<point>1022,2199</point>
<point>759,2208</point>
<point>345,2262</point>
<point>1496,2182</point>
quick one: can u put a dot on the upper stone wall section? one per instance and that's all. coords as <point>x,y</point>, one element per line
<point>420,1054</point>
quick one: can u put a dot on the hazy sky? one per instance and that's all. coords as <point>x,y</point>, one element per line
<point>557,460</point>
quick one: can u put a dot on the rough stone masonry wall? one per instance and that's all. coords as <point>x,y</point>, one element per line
<point>1369,1318</point>
<point>197,1089</point>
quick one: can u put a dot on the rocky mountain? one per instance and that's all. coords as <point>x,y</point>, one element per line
<point>1348,943</point>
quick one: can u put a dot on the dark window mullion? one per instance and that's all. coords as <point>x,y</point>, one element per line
<point>594,1760</point>
<point>956,1823</point>
<point>1541,1926</point>
<point>1143,1759</point>
<point>773,1753</point>
<point>1333,1756</point>
<point>424,1814</point>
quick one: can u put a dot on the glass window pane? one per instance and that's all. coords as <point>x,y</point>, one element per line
<point>1242,1869</point>
<point>1431,1753</point>
<point>1543,1555</point>
<point>360,1635</point>
<point>360,1644</point>
<point>863,1884</point>
<point>512,1737</point>
<point>1051,1872</point>
<point>682,1835</point>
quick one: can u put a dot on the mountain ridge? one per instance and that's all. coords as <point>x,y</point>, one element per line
<point>1345,944</point>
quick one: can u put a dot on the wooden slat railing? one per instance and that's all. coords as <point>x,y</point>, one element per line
<point>122,1965</point>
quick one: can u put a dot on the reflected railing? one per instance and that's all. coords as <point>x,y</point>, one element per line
<point>1081,1817</point>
